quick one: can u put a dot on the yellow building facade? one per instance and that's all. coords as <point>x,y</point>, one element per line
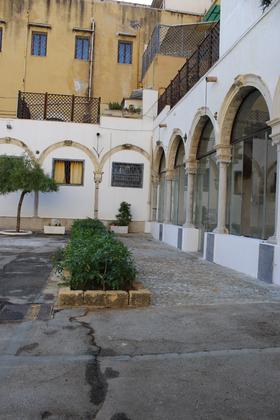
<point>75,47</point>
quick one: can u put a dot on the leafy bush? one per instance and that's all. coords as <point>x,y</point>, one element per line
<point>87,227</point>
<point>95,259</point>
<point>115,106</point>
<point>124,216</point>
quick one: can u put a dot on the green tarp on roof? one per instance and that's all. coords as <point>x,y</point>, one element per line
<point>213,14</point>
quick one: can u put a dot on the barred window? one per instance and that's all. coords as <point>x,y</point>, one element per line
<point>68,172</point>
<point>127,175</point>
<point>82,48</point>
<point>125,52</point>
<point>39,44</point>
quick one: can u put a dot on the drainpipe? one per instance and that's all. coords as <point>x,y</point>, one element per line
<point>90,77</point>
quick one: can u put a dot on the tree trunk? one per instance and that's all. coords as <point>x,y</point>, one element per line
<point>19,209</point>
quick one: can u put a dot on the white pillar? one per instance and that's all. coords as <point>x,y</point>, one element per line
<point>168,197</point>
<point>154,200</point>
<point>191,170</point>
<point>275,135</point>
<point>97,180</point>
<point>224,159</point>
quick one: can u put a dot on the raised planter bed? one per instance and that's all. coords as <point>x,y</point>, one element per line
<point>98,299</point>
<point>15,233</point>
<point>121,230</point>
<point>54,230</point>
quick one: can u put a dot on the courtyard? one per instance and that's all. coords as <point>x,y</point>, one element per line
<point>207,348</point>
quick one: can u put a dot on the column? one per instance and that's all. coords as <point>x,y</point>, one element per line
<point>224,159</point>
<point>154,199</point>
<point>191,170</point>
<point>168,196</point>
<point>275,135</point>
<point>97,180</point>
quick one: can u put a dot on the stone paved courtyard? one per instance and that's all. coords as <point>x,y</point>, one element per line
<point>208,348</point>
<point>177,278</point>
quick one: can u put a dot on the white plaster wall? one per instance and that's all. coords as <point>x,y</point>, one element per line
<point>236,18</point>
<point>78,201</point>
<point>170,235</point>
<point>70,201</point>
<point>111,197</point>
<point>238,253</point>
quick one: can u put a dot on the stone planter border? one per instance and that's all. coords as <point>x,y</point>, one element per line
<point>54,230</point>
<point>120,230</point>
<point>98,299</point>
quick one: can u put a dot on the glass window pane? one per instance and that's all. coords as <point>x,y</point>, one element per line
<point>207,140</point>
<point>206,204</point>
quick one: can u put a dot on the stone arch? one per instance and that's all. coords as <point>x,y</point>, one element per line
<point>176,138</point>
<point>18,143</point>
<point>70,143</point>
<point>276,102</point>
<point>159,150</point>
<point>241,87</point>
<point>123,147</point>
<point>200,118</point>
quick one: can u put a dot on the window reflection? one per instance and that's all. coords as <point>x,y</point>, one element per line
<point>252,180</point>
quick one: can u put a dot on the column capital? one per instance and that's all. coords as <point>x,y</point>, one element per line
<point>169,176</point>
<point>98,177</point>
<point>191,166</point>
<point>223,153</point>
<point>155,179</point>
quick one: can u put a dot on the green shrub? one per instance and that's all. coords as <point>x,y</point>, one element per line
<point>115,106</point>
<point>124,215</point>
<point>87,227</point>
<point>95,259</point>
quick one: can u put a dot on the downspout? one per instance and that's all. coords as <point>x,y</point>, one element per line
<point>90,77</point>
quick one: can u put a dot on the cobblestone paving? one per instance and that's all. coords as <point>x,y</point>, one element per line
<point>176,278</point>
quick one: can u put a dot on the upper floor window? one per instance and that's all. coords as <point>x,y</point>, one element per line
<point>39,44</point>
<point>82,48</point>
<point>68,172</point>
<point>125,52</point>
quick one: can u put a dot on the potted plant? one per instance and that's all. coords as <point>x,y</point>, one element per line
<point>124,217</point>
<point>54,228</point>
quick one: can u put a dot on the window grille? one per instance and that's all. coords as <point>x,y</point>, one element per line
<point>82,48</point>
<point>39,44</point>
<point>127,175</point>
<point>125,52</point>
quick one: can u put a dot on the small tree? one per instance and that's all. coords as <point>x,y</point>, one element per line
<point>124,216</point>
<point>25,175</point>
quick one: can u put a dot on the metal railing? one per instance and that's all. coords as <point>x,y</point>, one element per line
<point>55,107</point>
<point>195,67</point>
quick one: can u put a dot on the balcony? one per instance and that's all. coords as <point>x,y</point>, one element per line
<point>195,67</point>
<point>175,41</point>
<point>54,107</point>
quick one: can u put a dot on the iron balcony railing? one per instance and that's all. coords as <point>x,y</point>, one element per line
<point>55,107</point>
<point>195,67</point>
